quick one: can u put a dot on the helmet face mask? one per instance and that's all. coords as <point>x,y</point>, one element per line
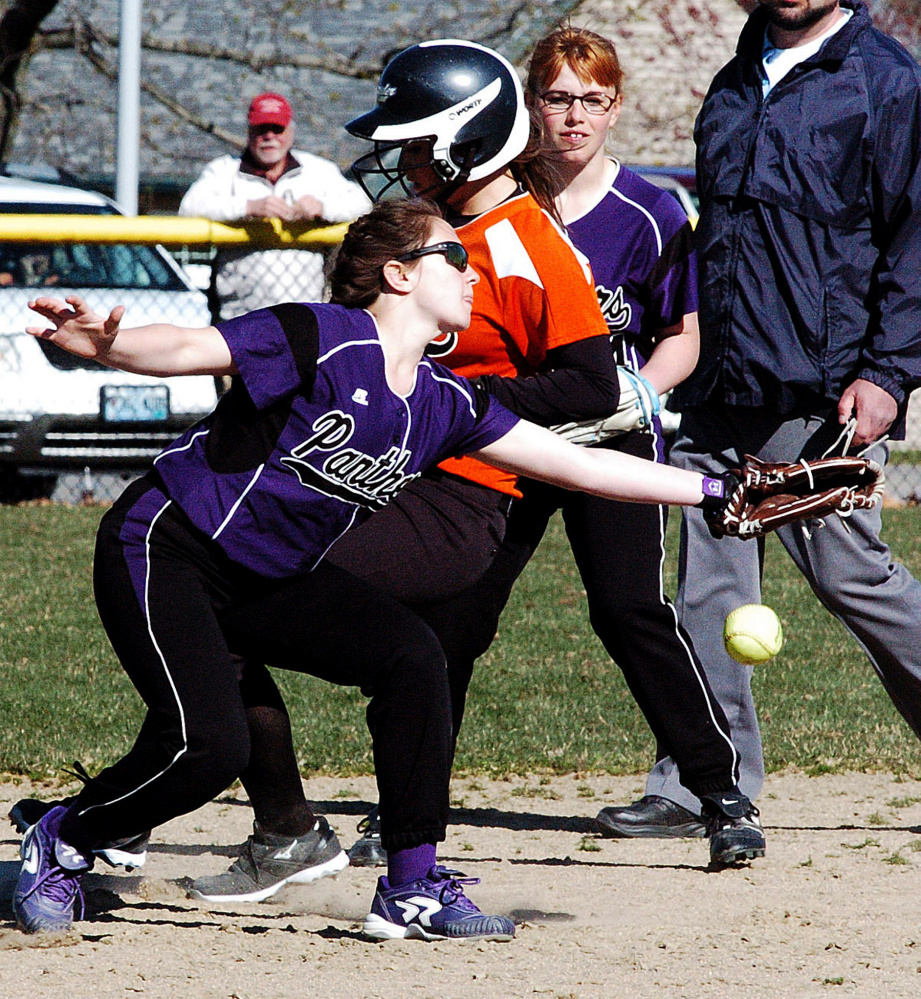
<point>459,101</point>
<point>410,169</point>
<point>379,174</point>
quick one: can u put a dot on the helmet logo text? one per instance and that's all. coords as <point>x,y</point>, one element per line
<point>466,109</point>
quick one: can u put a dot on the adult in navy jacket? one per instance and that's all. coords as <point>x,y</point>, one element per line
<point>810,311</point>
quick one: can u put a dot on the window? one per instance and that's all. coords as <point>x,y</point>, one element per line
<point>81,265</point>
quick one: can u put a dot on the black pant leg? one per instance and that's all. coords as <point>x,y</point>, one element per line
<point>156,605</point>
<point>341,629</point>
<point>436,538</point>
<point>271,778</point>
<point>168,598</point>
<point>467,622</point>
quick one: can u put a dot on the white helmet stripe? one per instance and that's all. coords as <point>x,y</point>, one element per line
<point>442,125</point>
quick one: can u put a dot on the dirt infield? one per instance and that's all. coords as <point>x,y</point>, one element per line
<point>833,909</point>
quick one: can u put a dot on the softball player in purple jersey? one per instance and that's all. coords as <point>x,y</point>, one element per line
<point>220,547</point>
<point>639,243</point>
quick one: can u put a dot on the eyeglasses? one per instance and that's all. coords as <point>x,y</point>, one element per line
<point>454,253</point>
<point>560,100</point>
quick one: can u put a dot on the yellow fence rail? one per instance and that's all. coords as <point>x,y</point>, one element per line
<point>166,229</point>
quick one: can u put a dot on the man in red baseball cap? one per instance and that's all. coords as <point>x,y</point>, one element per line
<point>270,109</point>
<point>270,180</point>
<point>270,137</point>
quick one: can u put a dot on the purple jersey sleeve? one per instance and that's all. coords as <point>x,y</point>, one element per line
<point>274,350</point>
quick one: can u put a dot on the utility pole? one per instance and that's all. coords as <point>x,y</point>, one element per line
<point>129,106</point>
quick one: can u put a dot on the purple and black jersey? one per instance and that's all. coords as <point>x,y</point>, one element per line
<point>311,439</point>
<point>639,242</point>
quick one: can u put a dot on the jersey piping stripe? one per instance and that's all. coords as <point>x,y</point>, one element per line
<point>350,343</point>
<point>236,505</point>
<point>333,542</point>
<point>453,384</point>
<point>150,631</point>
<point>185,447</point>
<point>584,262</point>
<point>646,212</point>
<point>409,423</point>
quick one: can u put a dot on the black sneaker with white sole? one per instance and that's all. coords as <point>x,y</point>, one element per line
<point>27,811</point>
<point>733,827</point>
<point>367,851</point>
<point>130,853</point>
<point>268,862</point>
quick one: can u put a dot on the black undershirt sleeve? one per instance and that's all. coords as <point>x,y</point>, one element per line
<point>579,383</point>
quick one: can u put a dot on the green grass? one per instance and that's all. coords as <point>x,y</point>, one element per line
<point>908,456</point>
<point>545,698</point>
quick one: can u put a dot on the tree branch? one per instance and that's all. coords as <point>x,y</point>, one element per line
<point>18,27</point>
<point>67,38</point>
<point>83,36</point>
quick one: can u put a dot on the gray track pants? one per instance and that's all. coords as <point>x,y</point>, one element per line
<point>852,574</point>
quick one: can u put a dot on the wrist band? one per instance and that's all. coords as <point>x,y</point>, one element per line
<point>714,490</point>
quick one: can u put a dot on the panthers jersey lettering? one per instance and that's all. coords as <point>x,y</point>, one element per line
<point>643,260</point>
<point>295,453</point>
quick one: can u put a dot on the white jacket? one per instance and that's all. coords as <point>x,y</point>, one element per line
<point>253,279</point>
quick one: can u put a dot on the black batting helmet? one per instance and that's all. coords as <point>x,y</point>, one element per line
<point>463,98</point>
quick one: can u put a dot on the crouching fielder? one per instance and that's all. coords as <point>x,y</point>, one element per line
<point>220,546</point>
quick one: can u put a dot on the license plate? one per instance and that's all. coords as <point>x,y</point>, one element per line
<point>133,403</point>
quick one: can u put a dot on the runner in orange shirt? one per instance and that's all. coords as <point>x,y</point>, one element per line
<point>536,340</point>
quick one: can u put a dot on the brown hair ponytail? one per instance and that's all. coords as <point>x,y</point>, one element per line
<point>389,230</point>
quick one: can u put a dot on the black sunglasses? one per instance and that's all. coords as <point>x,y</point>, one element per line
<point>454,253</point>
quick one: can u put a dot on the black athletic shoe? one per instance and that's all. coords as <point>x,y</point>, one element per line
<point>653,817</point>
<point>130,853</point>
<point>367,850</point>
<point>28,811</point>
<point>734,829</point>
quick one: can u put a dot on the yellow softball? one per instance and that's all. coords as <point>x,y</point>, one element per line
<point>752,634</point>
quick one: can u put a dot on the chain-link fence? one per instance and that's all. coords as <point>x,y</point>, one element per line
<point>73,431</point>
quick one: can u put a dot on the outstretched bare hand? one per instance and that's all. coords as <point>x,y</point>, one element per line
<point>77,328</point>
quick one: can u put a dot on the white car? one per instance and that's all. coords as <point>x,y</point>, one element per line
<point>57,411</point>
